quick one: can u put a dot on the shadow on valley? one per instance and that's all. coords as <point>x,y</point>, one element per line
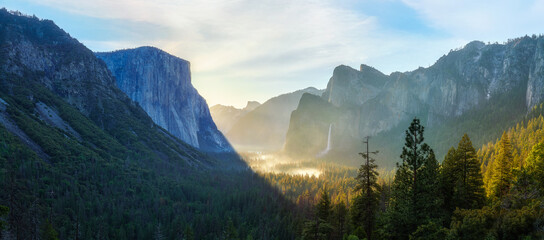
<point>80,160</point>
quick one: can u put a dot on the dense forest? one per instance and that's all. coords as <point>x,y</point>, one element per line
<point>82,193</point>
<point>495,192</point>
<point>103,169</point>
<point>491,193</point>
<point>109,172</point>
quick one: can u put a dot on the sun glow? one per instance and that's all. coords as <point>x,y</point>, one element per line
<point>276,163</point>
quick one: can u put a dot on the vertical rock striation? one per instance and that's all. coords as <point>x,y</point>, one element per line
<point>161,84</point>
<point>368,103</point>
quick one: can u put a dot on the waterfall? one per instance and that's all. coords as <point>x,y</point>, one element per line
<point>328,148</point>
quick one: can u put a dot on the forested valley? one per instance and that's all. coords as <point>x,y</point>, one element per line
<point>495,192</point>
<point>474,192</point>
<point>120,145</point>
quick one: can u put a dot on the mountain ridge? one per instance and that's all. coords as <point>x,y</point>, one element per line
<point>117,175</point>
<point>371,103</point>
<point>265,127</point>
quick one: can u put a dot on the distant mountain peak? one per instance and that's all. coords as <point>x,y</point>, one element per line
<point>465,79</point>
<point>251,105</point>
<point>475,44</point>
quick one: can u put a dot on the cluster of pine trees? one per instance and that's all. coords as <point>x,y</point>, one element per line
<point>429,200</point>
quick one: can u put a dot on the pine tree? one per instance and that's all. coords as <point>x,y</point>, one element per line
<point>3,215</point>
<point>230,232</point>
<point>189,234</point>
<point>469,191</point>
<point>339,222</point>
<point>448,179</point>
<point>502,170</point>
<point>535,164</point>
<point>366,203</point>
<point>48,232</point>
<point>415,198</point>
<point>324,206</point>
<point>461,178</point>
<point>320,226</point>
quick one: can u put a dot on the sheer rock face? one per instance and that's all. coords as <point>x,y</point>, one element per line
<point>37,53</point>
<point>371,102</point>
<point>161,84</point>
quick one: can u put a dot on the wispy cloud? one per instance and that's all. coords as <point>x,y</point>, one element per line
<point>232,43</point>
<point>483,20</point>
<point>252,50</point>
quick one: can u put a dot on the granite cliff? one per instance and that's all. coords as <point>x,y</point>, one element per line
<point>52,77</point>
<point>476,77</point>
<point>75,149</point>
<point>161,84</point>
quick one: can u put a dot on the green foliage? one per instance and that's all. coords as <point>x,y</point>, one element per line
<point>365,204</point>
<point>352,237</point>
<point>448,179</point>
<point>414,199</point>
<point>320,226</point>
<point>501,178</point>
<point>535,164</point>
<point>523,136</point>
<point>48,232</point>
<point>3,218</point>
<point>471,224</point>
<point>497,223</point>
<point>231,233</point>
<point>461,179</point>
<point>429,231</point>
<point>324,206</point>
<point>112,185</point>
<point>339,219</point>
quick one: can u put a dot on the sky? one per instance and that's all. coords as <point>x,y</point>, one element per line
<point>242,50</point>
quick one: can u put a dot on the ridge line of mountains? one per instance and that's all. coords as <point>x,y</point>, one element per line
<point>79,158</point>
<point>480,84</point>
<point>124,141</point>
<point>480,89</point>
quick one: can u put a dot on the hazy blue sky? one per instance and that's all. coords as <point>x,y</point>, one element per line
<point>244,50</point>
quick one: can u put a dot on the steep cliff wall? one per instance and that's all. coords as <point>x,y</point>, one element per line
<point>371,103</point>
<point>161,84</point>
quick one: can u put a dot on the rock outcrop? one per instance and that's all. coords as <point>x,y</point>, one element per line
<point>370,103</point>
<point>161,84</point>
<point>63,102</point>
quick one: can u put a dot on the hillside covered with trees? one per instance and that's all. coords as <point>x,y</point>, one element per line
<point>473,194</point>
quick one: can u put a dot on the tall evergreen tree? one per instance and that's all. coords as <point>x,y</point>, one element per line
<point>448,179</point>
<point>535,164</point>
<point>415,198</point>
<point>339,220</point>
<point>3,216</point>
<point>366,203</point>
<point>469,191</point>
<point>324,206</point>
<point>230,232</point>
<point>461,178</point>
<point>320,226</point>
<point>501,177</point>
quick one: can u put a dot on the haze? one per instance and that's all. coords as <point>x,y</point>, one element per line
<point>254,50</point>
